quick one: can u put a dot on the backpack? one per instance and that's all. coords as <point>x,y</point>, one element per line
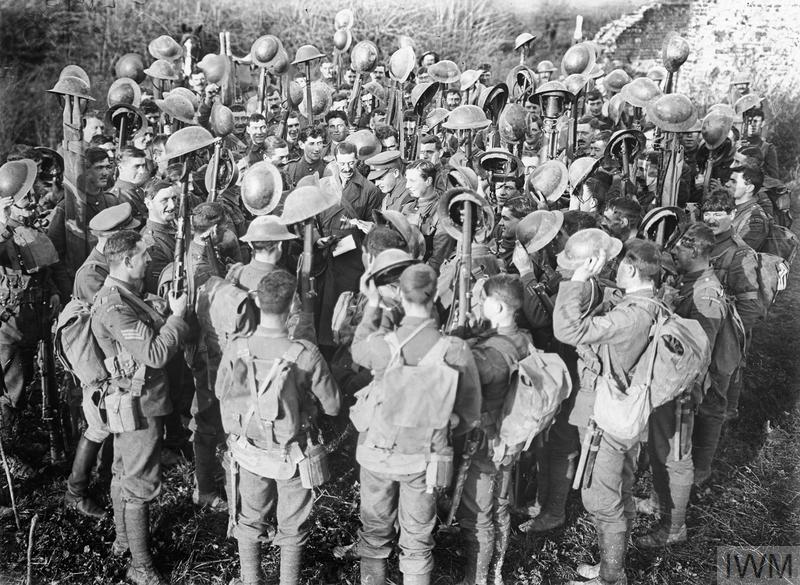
<point>772,272</point>
<point>401,410</point>
<point>781,242</point>
<point>677,356</point>
<point>76,347</point>
<point>781,198</point>
<point>539,383</point>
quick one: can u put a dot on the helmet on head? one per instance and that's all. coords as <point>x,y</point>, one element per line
<point>387,266</point>
<point>267,228</point>
<point>262,187</point>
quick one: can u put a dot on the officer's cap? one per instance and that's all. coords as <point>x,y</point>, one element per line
<point>382,163</point>
<point>119,217</point>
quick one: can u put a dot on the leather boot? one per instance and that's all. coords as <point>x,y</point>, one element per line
<point>373,571</point>
<point>613,546</point>
<point>290,565</point>
<point>559,479</point>
<point>77,495</point>
<point>417,579</point>
<point>478,558</point>
<point>120,546</point>
<point>250,562</point>
<point>137,526</point>
<point>501,537</point>
<point>206,470</point>
<point>672,528</point>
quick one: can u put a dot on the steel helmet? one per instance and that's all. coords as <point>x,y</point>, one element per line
<point>444,71</point>
<point>188,94</point>
<point>133,116</point>
<point>725,109</point>
<point>296,93</point>
<point>366,143</point>
<point>545,66</point>
<point>741,78</point>
<point>73,86</point>
<point>580,170</point>
<point>388,265</point>
<point>521,81</point>
<point>450,207</point>
<point>320,99</point>
<point>422,94</point>
<point>124,91</point>
<point>267,228</point>
<point>576,83</point>
<point>469,78</point>
<point>672,112</point>
<point>466,117</point>
<point>522,40</point>
<point>512,123</point>
<point>344,19</point>
<point>634,140</point>
<point>538,228</point>
<point>17,178</point>
<point>579,58</point>
<point>161,69</point>
<point>306,53</point>
<point>188,140</point>
<point>746,103</point>
<point>51,163</point>
<point>436,116</point>
<point>586,244</point>
<point>177,106</point>
<point>597,72</point>
<point>342,39</point>
<point>306,202</point>
<point>130,65</point>
<point>280,64</point>
<point>500,162</point>
<point>673,219</point>
<point>401,64</point>
<point>364,56</point>
<point>459,176</point>
<point>716,126</point>
<point>264,49</point>
<point>615,106</point>
<point>493,99</point>
<point>640,92</point>
<point>221,120</point>
<point>616,80</point>
<point>674,52</point>
<point>166,48</point>
<point>214,66</point>
<point>657,73</point>
<point>75,71</point>
<point>262,187</point>
<point>549,180</point>
<point>552,89</point>
<point>376,89</point>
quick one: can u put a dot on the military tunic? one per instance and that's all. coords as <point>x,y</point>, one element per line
<point>160,241</point>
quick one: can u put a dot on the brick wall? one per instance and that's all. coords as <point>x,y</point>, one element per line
<point>761,37</point>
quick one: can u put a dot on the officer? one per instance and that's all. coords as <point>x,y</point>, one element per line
<point>133,174</point>
<point>624,329</point>
<point>88,281</point>
<point>393,470</point>
<point>28,296</point>
<point>312,388</point>
<point>137,343</point>
<point>484,512</point>
<point>386,171</point>
<point>700,296</point>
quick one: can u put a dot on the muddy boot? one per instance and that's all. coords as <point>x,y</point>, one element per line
<point>137,526</point>
<point>553,515</point>
<point>478,558</point>
<point>613,546</point>
<point>77,495</point>
<point>672,528</point>
<point>373,571</point>
<point>250,562</point>
<point>120,546</point>
<point>207,468</point>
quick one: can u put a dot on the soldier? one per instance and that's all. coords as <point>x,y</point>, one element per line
<point>736,267</point>
<point>310,163</point>
<point>160,198</point>
<point>386,171</point>
<point>137,343</point>
<point>393,470</point>
<point>293,136</point>
<point>700,296</point>
<point>484,511</point>
<point>276,482</point>
<point>336,121</point>
<point>421,181</point>
<point>769,155</point>
<point>749,221</point>
<point>621,218</point>
<point>341,234</point>
<point>92,126</point>
<point>28,296</point>
<point>594,108</point>
<point>624,329</point>
<point>452,99</point>
<point>264,236</point>
<point>88,281</point>
<point>385,134</point>
<point>514,210</point>
<point>132,175</point>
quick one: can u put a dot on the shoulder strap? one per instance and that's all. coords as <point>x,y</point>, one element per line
<point>235,273</point>
<point>507,350</point>
<point>397,346</point>
<point>435,355</point>
<point>139,302</point>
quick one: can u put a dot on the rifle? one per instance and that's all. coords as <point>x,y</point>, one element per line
<point>179,258</point>
<point>50,410</point>
<point>471,445</point>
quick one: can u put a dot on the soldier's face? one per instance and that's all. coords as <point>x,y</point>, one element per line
<point>429,152</point>
<point>755,125</point>
<point>280,157</point>
<point>197,82</point>
<point>485,77</point>
<point>387,181</point>
<point>134,170</point>
<point>98,174</point>
<point>239,123</point>
<point>292,129</point>
<point>347,166</point>
<point>508,223</point>
<point>93,127</point>
<point>690,140</point>
<point>274,102</point>
<point>24,210</point>
<point>312,148</point>
<point>326,70</point>
<point>389,143</point>
<point>350,77</point>
<point>683,257</point>
<point>739,186</point>
<point>718,221</point>
<point>415,183</point>
<point>595,107</point>
<point>161,208</point>
<point>453,100</point>
<point>257,131</point>
<point>337,129</point>
<point>138,261</point>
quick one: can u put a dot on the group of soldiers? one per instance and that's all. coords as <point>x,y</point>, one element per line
<point>259,253</point>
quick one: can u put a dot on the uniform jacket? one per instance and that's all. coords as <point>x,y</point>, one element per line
<point>121,326</point>
<point>736,267</point>
<point>302,168</point>
<point>160,241</point>
<point>438,242</point>
<point>398,198</point>
<point>90,276</point>
<point>750,223</point>
<point>128,192</point>
<point>371,351</point>
<point>624,327</point>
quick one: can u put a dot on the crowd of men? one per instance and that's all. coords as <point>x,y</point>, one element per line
<point>386,254</point>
